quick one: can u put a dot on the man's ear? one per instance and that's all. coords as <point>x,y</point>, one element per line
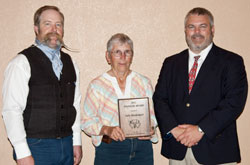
<point>36,29</point>
<point>213,30</point>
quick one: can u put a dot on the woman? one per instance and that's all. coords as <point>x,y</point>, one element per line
<point>100,113</point>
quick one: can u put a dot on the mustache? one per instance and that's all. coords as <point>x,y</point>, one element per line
<point>197,36</point>
<point>60,41</point>
<point>53,34</point>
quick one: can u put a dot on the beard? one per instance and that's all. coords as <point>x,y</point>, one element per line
<point>198,47</point>
<point>47,40</point>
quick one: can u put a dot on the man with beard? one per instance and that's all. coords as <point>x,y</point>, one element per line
<point>199,95</point>
<point>41,97</point>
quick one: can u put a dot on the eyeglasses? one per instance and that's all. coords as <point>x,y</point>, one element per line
<point>118,53</point>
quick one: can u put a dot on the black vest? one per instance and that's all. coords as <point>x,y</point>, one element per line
<point>49,111</point>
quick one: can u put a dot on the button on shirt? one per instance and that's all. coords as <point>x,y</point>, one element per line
<point>203,55</point>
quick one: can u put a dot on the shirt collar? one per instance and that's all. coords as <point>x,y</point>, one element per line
<point>203,53</point>
<point>50,52</point>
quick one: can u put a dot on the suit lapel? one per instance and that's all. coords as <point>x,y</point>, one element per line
<point>206,67</point>
<point>184,70</point>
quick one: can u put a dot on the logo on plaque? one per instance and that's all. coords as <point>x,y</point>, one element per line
<point>135,123</point>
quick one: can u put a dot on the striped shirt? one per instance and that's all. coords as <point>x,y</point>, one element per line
<point>100,105</point>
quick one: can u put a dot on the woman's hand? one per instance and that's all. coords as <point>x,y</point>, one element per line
<point>115,133</point>
<point>152,132</point>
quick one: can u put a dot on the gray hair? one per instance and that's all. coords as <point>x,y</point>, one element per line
<point>200,11</point>
<point>119,38</point>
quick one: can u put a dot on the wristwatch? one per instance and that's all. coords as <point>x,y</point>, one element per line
<point>200,130</point>
<point>167,136</point>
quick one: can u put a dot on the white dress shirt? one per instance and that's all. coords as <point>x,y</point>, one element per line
<point>15,93</point>
<point>203,55</point>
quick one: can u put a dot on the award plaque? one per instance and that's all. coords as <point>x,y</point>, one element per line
<point>134,116</point>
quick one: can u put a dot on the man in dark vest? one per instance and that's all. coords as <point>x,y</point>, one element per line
<point>41,97</point>
<point>200,93</point>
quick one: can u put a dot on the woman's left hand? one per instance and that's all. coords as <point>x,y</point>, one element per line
<point>152,132</point>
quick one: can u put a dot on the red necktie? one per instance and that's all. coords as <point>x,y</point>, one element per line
<point>192,73</point>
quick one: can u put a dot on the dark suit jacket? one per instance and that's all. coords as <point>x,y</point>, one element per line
<point>217,99</point>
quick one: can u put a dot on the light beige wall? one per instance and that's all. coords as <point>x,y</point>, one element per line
<point>155,26</point>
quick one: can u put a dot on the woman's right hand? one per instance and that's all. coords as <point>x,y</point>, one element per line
<point>115,133</point>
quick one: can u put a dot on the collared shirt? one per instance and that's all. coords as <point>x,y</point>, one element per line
<point>15,92</point>
<point>203,54</point>
<point>54,56</point>
<point>101,108</point>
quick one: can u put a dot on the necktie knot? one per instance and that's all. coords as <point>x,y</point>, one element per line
<point>196,58</point>
<point>53,55</point>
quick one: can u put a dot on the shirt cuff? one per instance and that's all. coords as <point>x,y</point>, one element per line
<point>77,139</point>
<point>22,150</point>
<point>154,138</point>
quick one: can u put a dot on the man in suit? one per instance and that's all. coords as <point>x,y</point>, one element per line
<point>41,97</point>
<point>199,95</point>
